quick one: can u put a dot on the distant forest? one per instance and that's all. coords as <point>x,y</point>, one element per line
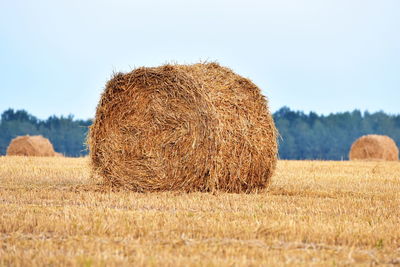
<point>65,133</point>
<point>313,136</point>
<point>302,136</point>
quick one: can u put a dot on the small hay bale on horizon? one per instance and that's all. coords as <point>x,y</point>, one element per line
<point>189,128</point>
<point>374,147</point>
<point>37,146</point>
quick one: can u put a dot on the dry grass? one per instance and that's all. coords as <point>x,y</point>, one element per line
<point>37,146</point>
<point>183,128</point>
<point>374,147</point>
<point>315,213</point>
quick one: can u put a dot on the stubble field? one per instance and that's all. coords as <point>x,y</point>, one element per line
<point>314,213</point>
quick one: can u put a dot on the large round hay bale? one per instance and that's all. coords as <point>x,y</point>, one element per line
<point>30,146</point>
<point>374,147</point>
<point>183,127</point>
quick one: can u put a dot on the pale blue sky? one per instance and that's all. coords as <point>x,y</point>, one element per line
<point>319,55</point>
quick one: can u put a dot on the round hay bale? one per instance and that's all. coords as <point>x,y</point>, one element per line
<point>374,147</point>
<point>30,146</point>
<point>194,127</point>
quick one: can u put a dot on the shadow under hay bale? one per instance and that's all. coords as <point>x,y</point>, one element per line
<point>374,147</point>
<point>194,127</point>
<point>31,146</point>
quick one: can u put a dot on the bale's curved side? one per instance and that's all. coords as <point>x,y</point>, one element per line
<point>30,146</point>
<point>247,134</point>
<point>196,127</point>
<point>374,147</point>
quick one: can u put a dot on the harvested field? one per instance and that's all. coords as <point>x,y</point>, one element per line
<point>314,213</point>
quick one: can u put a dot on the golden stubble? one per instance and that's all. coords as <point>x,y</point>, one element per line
<point>314,213</point>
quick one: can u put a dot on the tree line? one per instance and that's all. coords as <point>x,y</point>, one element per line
<point>65,133</point>
<point>313,136</point>
<point>302,136</point>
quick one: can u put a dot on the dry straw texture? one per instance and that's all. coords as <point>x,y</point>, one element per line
<point>316,213</point>
<point>374,147</point>
<point>183,127</point>
<point>31,146</point>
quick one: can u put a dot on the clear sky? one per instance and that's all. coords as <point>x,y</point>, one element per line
<point>311,55</point>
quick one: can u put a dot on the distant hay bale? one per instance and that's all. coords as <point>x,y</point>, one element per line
<point>56,154</point>
<point>374,147</point>
<point>183,127</point>
<point>30,146</point>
